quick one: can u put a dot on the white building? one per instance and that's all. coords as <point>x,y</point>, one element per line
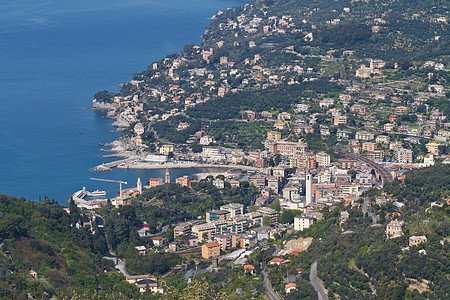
<point>302,222</point>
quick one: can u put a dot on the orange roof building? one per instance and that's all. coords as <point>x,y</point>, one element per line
<point>210,250</point>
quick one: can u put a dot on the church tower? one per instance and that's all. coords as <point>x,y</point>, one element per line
<point>167,176</point>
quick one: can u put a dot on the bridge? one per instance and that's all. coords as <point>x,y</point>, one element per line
<point>380,172</point>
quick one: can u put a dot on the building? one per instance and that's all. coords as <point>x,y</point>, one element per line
<point>323,159</point>
<point>308,189</point>
<point>267,211</point>
<point>370,147</point>
<point>203,231</point>
<point>400,110</point>
<point>364,135</point>
<point>274,135</point>
<point>404,156</point>
<point>286,148</point>
<point>433,147</point>
<point>226,241</point>
<point>395,229</point>
<point>235,209</point>
<point>348,163</point>
<point>388,127</point>
<point>219,183</point>
<point>182,229</point>
<point>414,241</point>
<point>302,222</point>
<point>159,241</point>
<point>145,283</point>
<point>340,120</point>
<point>210,250</point>
<point>184,181</point>
<point>289,287</point>
<point>364,179</point>
<point>154,182</point>
<point>138,129</point>
<point>214,215</point>
<point>166,149</point>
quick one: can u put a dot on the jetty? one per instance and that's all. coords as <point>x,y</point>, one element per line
<point>108,166</point>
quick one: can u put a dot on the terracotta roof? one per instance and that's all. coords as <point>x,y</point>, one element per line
<point>249,267</point>
<point>289,285</point>
<point>277,260</point>
<point>212,244</point>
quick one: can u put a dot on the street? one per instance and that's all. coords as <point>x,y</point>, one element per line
<point>317,283</point>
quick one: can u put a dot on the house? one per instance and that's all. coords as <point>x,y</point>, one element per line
<point>141,249</point>
<point>289,287</point>
<point>159,241</point>
<point>184,181</point>
<point>276,261</point>
<point>249,269</point>
<point>344,216</point>
<point>394,229</point>
<point>145,283</point>
<point>210,250</point>
<point>416,240</point>
<point>153,182</point>
<point>219,183</point>
<point>182,229</point>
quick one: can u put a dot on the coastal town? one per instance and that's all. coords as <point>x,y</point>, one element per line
<point>340,127</point>
<point>321,135</point>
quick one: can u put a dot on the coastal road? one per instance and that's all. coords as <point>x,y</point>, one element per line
<point>268,286</point>
<point>317,283</point>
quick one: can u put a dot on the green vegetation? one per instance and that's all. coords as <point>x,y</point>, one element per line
<point>68,261</point>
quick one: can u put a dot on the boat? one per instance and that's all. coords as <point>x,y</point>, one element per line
<point>96,193</point>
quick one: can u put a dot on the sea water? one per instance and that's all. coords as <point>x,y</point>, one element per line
<point>54,56</point>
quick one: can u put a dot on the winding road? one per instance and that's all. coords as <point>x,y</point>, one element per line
<point>268,286</point>
<point>317,283</point>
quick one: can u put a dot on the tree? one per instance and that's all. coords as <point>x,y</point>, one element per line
<point>267,221</point>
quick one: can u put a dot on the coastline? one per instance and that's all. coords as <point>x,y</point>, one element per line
<point>147,166</point>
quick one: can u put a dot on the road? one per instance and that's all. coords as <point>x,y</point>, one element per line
<point>270,292</point>
<point>163,230</point>
<point>317,283</point>
<point>366,210</point>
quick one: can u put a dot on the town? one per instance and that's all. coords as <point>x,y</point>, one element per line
<point>320,133</point>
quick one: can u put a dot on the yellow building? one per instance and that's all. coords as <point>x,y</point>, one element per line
<point>166,149</point>
<point>274,135</point>
<point>433,147</point>
<point>210,250</point>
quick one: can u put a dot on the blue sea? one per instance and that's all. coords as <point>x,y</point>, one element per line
<point>54,56</point>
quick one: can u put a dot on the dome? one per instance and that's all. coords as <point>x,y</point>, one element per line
<point>297,198</point>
